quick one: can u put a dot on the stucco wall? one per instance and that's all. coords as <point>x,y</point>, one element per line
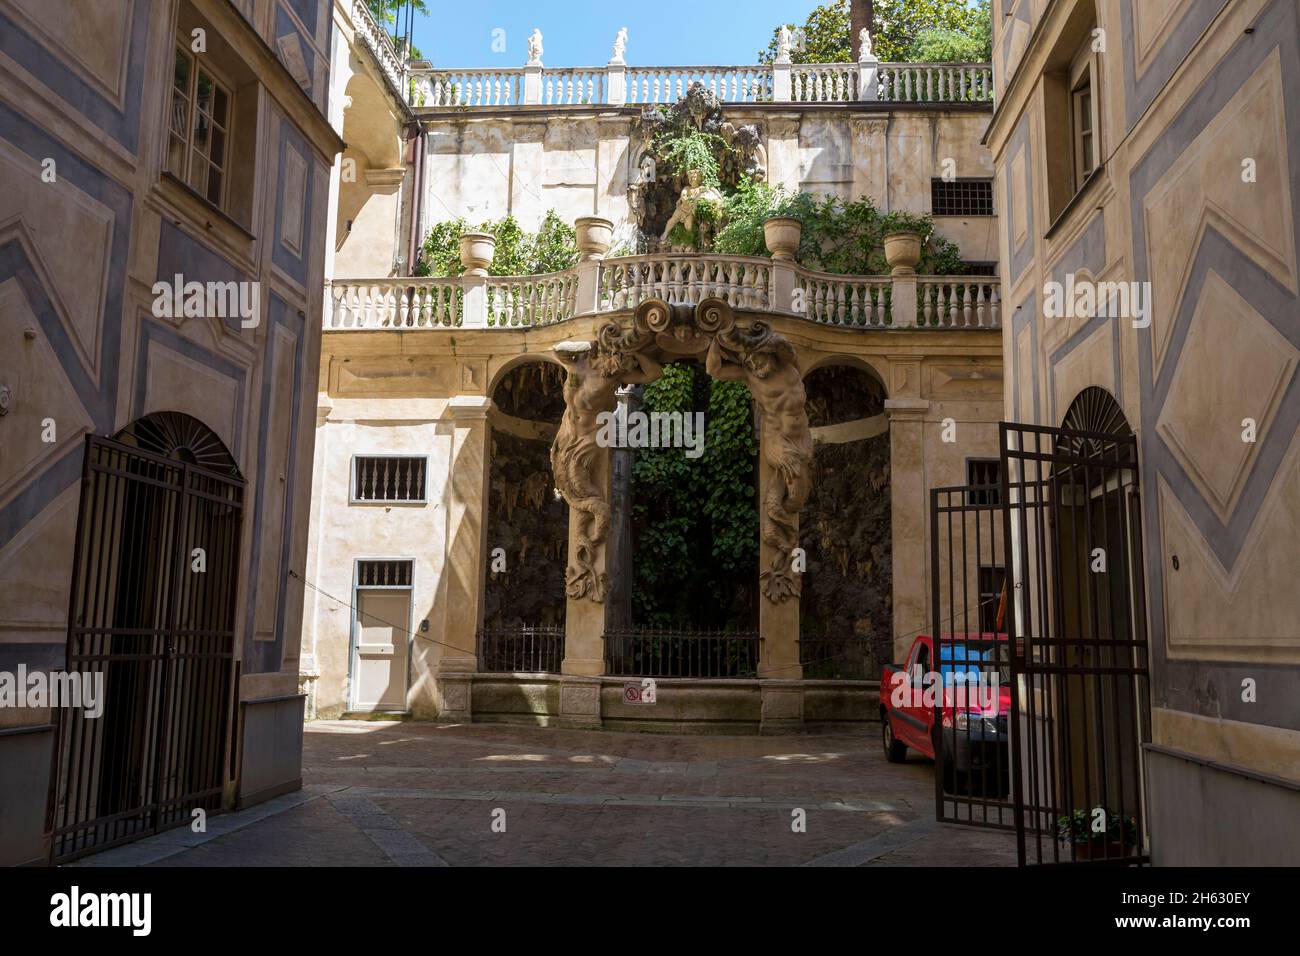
<point>1188,95</point>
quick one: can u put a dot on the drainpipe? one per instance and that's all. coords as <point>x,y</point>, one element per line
<point>413,243</point>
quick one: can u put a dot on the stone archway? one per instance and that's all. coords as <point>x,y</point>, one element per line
<point>750,352</point>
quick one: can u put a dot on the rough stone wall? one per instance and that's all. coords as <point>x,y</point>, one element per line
<point>845,530</point>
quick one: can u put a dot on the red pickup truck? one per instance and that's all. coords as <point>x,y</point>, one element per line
<point>969,688</point>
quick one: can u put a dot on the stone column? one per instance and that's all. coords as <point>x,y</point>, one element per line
<point>584,619</point>
<point>466,557</point>
<point>909,512</point>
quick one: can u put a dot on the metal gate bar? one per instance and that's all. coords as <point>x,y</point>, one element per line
<point>1079,657</point>
<point>159,635</point>
<point>968,568</point>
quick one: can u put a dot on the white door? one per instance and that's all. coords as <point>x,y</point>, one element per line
<point>380,649</point>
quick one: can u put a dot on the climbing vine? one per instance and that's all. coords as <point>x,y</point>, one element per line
<point>695,520</point>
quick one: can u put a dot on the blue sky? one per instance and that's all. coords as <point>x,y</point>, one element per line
<point>581,32</point>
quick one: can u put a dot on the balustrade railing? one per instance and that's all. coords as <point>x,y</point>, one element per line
<point>859,301</point>
<point>935,83</point>
<point>743,283</point>
<point>376,39</point>
<point>824,83</point>
<point>514,301</point>
<point>748,283</point>
<point>620,85</point>
<point>959,303</point>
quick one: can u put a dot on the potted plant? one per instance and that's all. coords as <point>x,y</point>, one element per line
<point>476,251</point>
<point>1119,838</point>
<point>904,236</point>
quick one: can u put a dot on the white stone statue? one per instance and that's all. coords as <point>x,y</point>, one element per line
<point>783,44</point>
<point>865,51</point>
<point>694,194</point>
<point>535,48</point>
<point>620,44</point>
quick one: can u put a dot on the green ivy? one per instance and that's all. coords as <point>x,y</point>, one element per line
<point>696,520</point>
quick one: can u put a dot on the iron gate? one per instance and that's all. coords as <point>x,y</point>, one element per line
<point>969,670</point>
<point>151,621</point>
<point>1078,630</point>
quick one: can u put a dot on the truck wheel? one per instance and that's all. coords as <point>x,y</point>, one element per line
<point>895,750</point>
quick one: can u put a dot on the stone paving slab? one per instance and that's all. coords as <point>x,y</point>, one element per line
<point>419,794</point>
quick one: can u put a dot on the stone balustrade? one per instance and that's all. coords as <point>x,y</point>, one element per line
<point>621,85</point>
<point>751,283</point>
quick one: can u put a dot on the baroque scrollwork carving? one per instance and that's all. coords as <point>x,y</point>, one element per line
<point>660,332</point>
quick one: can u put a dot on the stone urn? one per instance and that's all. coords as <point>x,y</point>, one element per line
<point>903,251</point>
<point>781,234</point>
<point>476,251</point>
<point>595,235</point>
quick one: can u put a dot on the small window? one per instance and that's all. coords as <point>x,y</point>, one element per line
<point>992,582</point>
<point>388,478</point>
<point>984,475</point>
<point>198,138</point>
<point>1083,116</point>
<point>383,574</point>
<point>961,197</point>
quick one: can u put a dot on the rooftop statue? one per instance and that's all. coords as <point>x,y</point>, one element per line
<point>535,48</point>
<point>620,45</point>
<point>865,51</point>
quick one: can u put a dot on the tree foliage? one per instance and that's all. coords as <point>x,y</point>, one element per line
<point>553,248</point>
<point>845,238</point>
<point>907,31</point>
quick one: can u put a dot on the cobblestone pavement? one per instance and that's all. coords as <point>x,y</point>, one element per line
<point>418,794</point>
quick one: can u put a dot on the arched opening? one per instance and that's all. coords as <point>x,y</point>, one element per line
<point>1097,609</point>
<point>846,610</point>
<point>151,634</point>
<point>527,525</point>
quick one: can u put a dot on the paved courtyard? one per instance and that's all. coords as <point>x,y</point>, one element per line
<point>418,794</point>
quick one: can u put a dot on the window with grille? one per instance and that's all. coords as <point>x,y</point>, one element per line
<point>961,197</point>
<point>986,472</point>
<point>383,574</point>
<point>198,140</point>
<point>388,478</point>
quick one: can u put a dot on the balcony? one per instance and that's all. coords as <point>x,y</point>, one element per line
<point>620,85</point>
<point>748,283</point>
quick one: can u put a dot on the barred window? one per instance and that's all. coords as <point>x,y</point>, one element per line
<point>383,574</point>
<point>388,478</point>
<point>985,472</point>
<point>961,197</point>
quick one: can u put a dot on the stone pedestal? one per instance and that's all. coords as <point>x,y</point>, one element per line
<point>781,707</point>
<point>580,702</point>
<point>455,698</point>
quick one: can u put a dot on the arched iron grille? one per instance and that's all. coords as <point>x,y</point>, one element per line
<point>151,626</point>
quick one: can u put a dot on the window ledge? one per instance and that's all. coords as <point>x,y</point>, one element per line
<point>1089,186</point>
<point>182,202</point>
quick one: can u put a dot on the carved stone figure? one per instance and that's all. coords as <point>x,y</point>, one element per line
<point>765,362</point>
<point>620,45</point>
<point>696,192</point>
<point>595,375</point>
<point>535,48</point>
<point>865,51</point>
<point>748,141</point>
<point>783,44</point>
